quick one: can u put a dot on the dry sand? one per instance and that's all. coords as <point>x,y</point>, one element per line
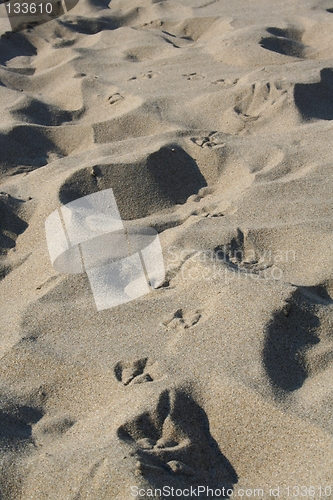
<point>212,123</point>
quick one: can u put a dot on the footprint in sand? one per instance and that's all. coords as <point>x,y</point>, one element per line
<point>136,371</point>
<point>214,140</point>
<point>150,74</point>
<point>182,319</point>
<point>225,82</point>
<point>193,76</point>
<point>241,254</point>
<point>253,102</point>
<point>172,441</point>
<point>114,98</point>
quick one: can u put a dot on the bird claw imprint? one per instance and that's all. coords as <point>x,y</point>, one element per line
<point>182,319</point>
<point>174,439</point>
<point>135,371</point>
<point>213,140</point>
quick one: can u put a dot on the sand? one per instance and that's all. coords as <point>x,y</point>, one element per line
<point>211,121</point>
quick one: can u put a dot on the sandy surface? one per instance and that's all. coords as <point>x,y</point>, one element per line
<point>212,123</point>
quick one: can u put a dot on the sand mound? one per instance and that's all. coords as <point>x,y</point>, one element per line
<point>167,177</point>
